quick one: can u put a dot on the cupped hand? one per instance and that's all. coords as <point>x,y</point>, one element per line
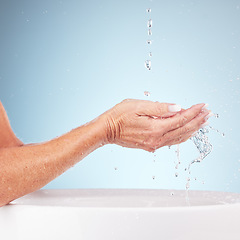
<point>150,125</point>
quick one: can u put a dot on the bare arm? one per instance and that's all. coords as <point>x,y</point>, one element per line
<point>132,123</point>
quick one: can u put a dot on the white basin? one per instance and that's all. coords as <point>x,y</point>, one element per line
<point>92,214</point>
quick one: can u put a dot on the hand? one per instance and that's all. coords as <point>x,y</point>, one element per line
<point>151,125</point>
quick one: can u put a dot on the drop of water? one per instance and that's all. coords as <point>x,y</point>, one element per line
<point>150,54</point>
<point>147,93</point>
<point>172,193</point>
<point>149,42</point>
<point>148,64</point>
<point>115,168</point>
<point>216,115</point>
<point>153,177</point>
<point>148,10</point>
<point>149,31</point>
<point>149,23</point>
<point>176,174</point>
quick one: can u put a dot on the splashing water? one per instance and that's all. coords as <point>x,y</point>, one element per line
<point>203,145</point>
<point>147,93</point>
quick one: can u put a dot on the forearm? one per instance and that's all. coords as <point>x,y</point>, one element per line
<point>28,168</point>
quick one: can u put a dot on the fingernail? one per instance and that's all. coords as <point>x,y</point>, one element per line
<point>174,108</point>
<point>209,115</point>
<point>204,124</point>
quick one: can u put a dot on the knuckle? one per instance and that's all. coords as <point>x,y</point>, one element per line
<point>160,107</point>
<point>183,121</point>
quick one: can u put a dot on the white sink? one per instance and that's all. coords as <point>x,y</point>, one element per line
<point>93,214</point>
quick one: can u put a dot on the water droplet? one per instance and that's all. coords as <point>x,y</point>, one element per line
<point>149,23</point>
<point>147,93</point>
<point>149,31</point>
<point>169,147</point>
<point>149,42</point>
<point>115,168</point>
<point>216,115</point>
<point>153,177</point>
<point>148,64</point>
<point>172,193</point>
<point>223,134</point>
<point>176,174</point>
<point>150,54</point>
<point>148,10</point>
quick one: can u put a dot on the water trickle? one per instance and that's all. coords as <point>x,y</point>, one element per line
<point>149,23</point>
<point>178,156</point>
<point>148,64</point>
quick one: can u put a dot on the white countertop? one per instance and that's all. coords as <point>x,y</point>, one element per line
<point>139,214</point>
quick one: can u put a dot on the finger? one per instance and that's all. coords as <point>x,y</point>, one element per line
<point>186,116</point>
<point>158,110</point>
<point>182,134</point>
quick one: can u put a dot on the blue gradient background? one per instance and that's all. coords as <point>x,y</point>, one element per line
<point>63,63</point>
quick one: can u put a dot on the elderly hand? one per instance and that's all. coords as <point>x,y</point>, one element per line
<point>151,125</point>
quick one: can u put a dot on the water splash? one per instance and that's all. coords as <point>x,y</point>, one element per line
<point>147,93</point>
<point>216,130</point>
<point>202,143</point>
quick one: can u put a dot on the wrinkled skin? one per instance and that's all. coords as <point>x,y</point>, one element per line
<point>149,125</point>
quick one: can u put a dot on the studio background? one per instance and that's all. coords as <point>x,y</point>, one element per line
<point>63,63</point>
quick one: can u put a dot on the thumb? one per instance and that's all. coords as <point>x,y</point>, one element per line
<point>156,109</point>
